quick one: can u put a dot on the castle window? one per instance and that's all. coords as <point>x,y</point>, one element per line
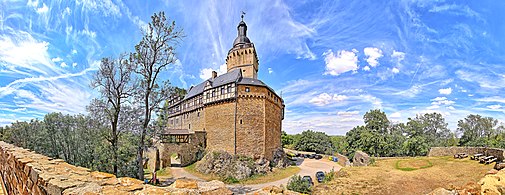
<point>222,90</point>
<point>247,89</point>
<point>198,114</point>
<point>240,121</point>
<point>213,93</point>
<point>189,126</point>
<point>229,88</point>
<point>208,95</point>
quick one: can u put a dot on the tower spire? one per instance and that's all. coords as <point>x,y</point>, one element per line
<point>242,15</point>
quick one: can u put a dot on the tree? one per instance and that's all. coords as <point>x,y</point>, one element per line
<point>478,130</point>
<point>153,54</point>
<point>114,81</point>
<point>286,139</point>
<point>312,141</point>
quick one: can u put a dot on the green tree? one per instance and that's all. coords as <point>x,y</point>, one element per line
<point>297,184</point>
<point>286,139</point>
<point>312,141</point>
<point>478,130</point>
<point>154,53</point>
<point>114,82</point>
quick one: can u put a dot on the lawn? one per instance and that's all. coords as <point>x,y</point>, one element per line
<point>419,175</point>
<point>277,174</point>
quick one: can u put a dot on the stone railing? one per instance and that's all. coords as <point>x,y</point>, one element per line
<point>26,172</point>
<point>451,151</point>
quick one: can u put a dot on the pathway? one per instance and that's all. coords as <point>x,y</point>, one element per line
<point>307,167</point>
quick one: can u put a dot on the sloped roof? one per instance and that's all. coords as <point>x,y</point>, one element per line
<point>223,79</point>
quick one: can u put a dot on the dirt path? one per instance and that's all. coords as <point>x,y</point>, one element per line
<point>307,167</point>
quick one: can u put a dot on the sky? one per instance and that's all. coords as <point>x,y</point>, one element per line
<point>332,61</point>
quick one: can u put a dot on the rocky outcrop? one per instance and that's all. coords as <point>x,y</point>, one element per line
<point>239,167</point>
<point>493,183</point>
<point>26,172</point>
<point>360,159</point>
<point>269,190</point>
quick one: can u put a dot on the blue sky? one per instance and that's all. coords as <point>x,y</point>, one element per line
<point>332,61</point>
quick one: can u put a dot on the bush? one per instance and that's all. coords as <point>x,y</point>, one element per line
<point>328,176</point>
<point>296,184</point>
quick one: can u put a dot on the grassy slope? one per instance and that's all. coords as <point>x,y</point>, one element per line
<point>385,178</point>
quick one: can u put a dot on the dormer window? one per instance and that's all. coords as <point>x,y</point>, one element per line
<point>247,89</point>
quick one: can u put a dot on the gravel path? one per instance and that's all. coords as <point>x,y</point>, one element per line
<point>307,167</point>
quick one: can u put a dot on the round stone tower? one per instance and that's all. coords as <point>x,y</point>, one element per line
<point>243,54</point>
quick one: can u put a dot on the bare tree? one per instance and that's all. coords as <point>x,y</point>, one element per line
<point>114,80</point>
<point>152,55</point>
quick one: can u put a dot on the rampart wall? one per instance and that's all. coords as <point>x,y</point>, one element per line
<point>451,151</point>
<point>26,172</point>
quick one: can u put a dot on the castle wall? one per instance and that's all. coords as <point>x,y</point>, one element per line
<point>219,125</point>
<point>451,151</point>
<point>250,126</point>
<point>273,118</point>
<point>245,59</point>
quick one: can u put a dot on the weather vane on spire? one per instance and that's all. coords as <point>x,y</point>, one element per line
<point>242,15</point>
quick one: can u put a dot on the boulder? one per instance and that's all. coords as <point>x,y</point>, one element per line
<point>442,191</point>
<point>499,166</point>
<point>185,183</point>
<point>360,159</point>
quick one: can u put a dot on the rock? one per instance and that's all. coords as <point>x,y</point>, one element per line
<point>342,173</point>
<point>361,159</point>
<point>217,191</point>
<point>280,159</point>
<point>499,166</point>
<point>492,172</point>
<point>185,183</point>
<point>273,190</point>
<point>442,191</point>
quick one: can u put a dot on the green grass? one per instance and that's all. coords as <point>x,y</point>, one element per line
<point>427,163</point>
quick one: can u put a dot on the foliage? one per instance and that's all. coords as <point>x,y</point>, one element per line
<point>480,131</point>
<point>329,176</point>
<point>77,139</point>
<point>153,54</point>
<point>312,141</point>
<point>296,184</point>
<point>287,140</point>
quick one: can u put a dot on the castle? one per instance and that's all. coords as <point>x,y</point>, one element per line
<point>235,112</point>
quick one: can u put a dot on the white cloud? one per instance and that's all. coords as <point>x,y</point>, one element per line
<point>63,65</point>
<point>74,52</point>
<point>373,55</point>
<point>74,64</point>
<point>325,99</point>
<point>206,73</point>
<point>366,68</point>
<point>495,107</point>
<point>57,59</point>
<point>348,113</point>
<point>42,10</point>
<point>14,50</point>
<point>400,56</point>
<point>270,70</point>
<point>439,99</point>
<point>344,61</point>
<point>396,115</point>
<point>89,33</point>
<point>445,91</point>
<point>395,70</point>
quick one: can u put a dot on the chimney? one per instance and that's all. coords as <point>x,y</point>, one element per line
<point>214,74</point>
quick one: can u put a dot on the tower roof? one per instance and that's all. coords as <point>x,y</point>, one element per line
<point>241,33</point>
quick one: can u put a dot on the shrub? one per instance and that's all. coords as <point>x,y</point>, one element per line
<point>230,179</point>
<point>296,184</point>
<point>328,176</point>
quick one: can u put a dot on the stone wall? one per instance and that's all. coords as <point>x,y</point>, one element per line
<point>451,151</point>
<point>188,152</point>
<point>26,172</point>
<point>220,126</point>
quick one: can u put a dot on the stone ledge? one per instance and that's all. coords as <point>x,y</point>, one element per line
<point>26,172</point>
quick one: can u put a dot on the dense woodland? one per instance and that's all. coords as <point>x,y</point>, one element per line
<point>120,123</point>
<point>380,137</point>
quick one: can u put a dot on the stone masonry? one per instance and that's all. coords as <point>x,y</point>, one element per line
<point>26,172</point>
<point>451,151</point>
<point>239,113</point>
